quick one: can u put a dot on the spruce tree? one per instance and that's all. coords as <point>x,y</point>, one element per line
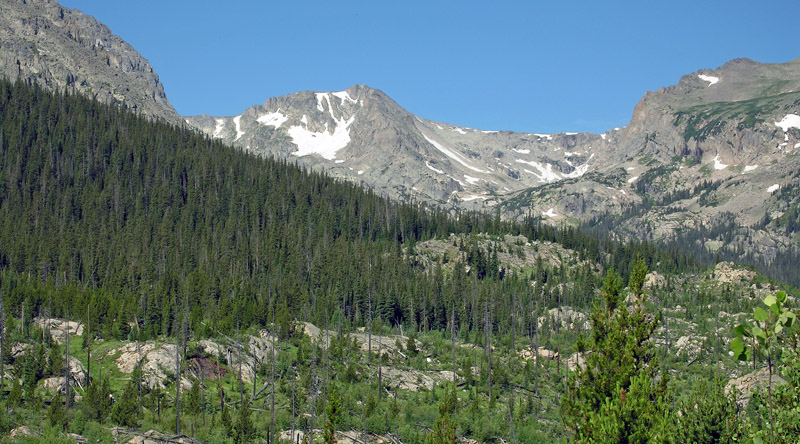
<point>619,394</point>
<point>126,411</point>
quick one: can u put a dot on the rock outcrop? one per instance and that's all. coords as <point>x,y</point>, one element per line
<point>63,49</point>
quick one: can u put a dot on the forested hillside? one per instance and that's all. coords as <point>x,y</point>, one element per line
<point>317,303</point>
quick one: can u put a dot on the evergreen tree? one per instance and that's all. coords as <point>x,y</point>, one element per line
<point>243,430</point>
<point>97,402</point>
<point>56,413</point>
<point>620,393</point>
<point>194,401</point>
<point>333,410</point>
<point>444,431</point>
<point>125,411</point>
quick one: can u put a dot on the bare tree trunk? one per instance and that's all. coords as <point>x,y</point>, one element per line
<point>272,384</point>
<point>2,334</point>
<point>177,372</point>
<point>219,386</point>
<point>513,323</point>
<point>67,370</point>
<point>536,355</point>
<point>294,415</point>
<point>453,339</point>
<point>488,331</point>
<point>139,361</point>
<point>369,340</point>
<point>511,416</point>
<point>88,338</point>
<point>380,357</point>
<point>313,400</point>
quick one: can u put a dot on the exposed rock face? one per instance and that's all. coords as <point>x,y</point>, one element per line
<point>720,146</point>
<point>726,272</point>
<point>61,48</point>
<point>158,362</point>
<point>414,380</point>
<point>363,135</point>
<point>743,387</point>
<point>564,317</point>
<point>59,328</point>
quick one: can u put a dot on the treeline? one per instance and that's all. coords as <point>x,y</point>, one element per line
<point>140,219</point>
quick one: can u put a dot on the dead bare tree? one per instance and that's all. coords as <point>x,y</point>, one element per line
<point>177,372</point>
<point>67,369</point>
<point>2,336</point>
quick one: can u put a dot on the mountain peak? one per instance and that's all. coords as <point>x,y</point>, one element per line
<point>60,48</point>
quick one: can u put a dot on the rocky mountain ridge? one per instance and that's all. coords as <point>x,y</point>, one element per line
<point>363,135</point>
<point>63,49</point>
<point>719,147</point>
<point>719,144</point>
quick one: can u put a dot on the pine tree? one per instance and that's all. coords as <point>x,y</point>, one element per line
<point>333,409</point>
<point>444,431</point>
<point>126,411</point>
<point>194,402</point>
<point>97,401</point>
<point>243,429</point>
<point>620,393</point>
<point>56,413</point>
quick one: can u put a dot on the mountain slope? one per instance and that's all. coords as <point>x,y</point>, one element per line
<point>719,146</point>
<point>61,48</point>
<point>363,135</point>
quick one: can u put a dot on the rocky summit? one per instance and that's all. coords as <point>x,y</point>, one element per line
<point>713,154</point>
<point>63,49</point>
<point>719,147</point>
<point>363,135</point>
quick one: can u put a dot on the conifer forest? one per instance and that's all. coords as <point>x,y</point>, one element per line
<point>157,284</point>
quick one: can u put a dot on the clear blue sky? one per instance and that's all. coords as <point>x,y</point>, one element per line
<point>534,66</point>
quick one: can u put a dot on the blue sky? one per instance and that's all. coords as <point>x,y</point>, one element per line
<point>533,66</point>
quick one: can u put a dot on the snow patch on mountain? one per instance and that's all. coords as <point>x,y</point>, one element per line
<point>710,79</point>
<point>238,122</point>
<point>452,154</point>
<point>345,96</point>
<point>719,165</point>
<point>579,171</point>
<point>773,188</point>
<point>275,119</point>
<point>472,180</point>
<point>550,213</point>
<point>545,174</point>
<point>433,169</point>
<point>749,168</point>
<point>521,151</point>
<point>472,197</point>
<point>633,179</point>
<point>325,144</point>
<point>320,98</point>
<point>219,128</point>
<point>544,136</point>
<point>789,121</point>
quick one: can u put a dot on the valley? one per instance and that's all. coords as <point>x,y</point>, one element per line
<point>330,267</point>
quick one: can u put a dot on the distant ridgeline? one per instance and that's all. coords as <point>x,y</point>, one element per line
<point>134,217</point>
